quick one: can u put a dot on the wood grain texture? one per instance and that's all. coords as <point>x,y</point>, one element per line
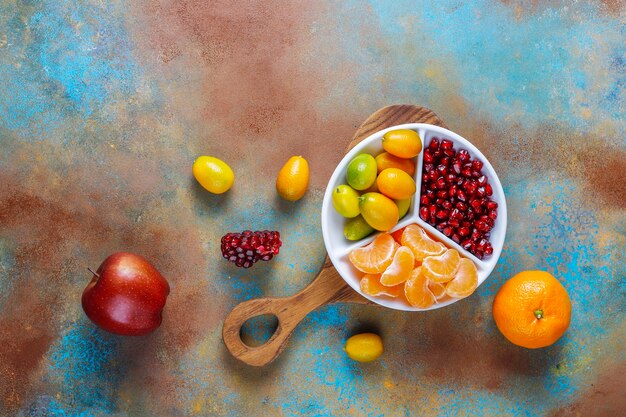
<point>328,286</point>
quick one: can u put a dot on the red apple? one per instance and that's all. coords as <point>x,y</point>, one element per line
<point>126,295</point>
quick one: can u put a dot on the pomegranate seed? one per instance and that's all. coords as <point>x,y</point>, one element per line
<point>430,194</point>
<point>467,244</point>
<point>475,234</point>
<point>447,231</point>
<point>452,190</point>
<point>428,157</point>
<point>470,187</point>
<point>461,206</point>
<point>484,218</point>
<point>450,178</point>
<point>492,205</point>
<point>482,180</point>
<point>442,169</point>
<point>449,152</point>
<point>424,214</point>
<point>466,224</point>
<point>460,195</point>
<point>424,200</point>
<point>441,226</point>
<point>429,167</point>
<point>466,172</point>
<point>456,238</point>
<point>442,194</point>
<point>437,153</point>
<point>481,244</point>
<point>432,176</point>
<point>463,231</point>
<point>432,209</point>
<point>442,214</point>
<point>424,177</point>
<point>434,144</point>
<point>439,201</point>
<point>447,205</point>
<point>453,222</point>
<point>481,225</point>
<point>477,165</point>
<point>457,167</point>
<point>481,191</point>
<point>441,182</point>
<point>493,214</point>
<point>488,189</point>
<point>488,249</point>
<point>475,204</point>
<point>446,144</point>
<point>445,161</point>
<point>463,155</point>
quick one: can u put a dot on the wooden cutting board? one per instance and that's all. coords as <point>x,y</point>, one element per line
<point>328,286</point>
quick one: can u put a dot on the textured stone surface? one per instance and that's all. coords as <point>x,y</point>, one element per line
<point>105,105</point>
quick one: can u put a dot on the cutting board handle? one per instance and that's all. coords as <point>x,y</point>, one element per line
<point>326,288</point>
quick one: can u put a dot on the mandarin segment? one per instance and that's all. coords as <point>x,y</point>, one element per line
<point>375,257</point>
<point>465,281</point>
<point>400,268</point>
<point>370,285</point>
<point>420,243</point>
<point>438,290</point>
<point>441,268</point>
<point>416,290</point>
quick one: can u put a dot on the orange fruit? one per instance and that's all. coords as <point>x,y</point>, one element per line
<point>438,290</point>
<point>465,281</point>
<point>386,160</point>
<point>293,179</point>
<point>532,309</point>
<point>416,290</point>
<point>441,268</point>
<point>400,269</point>
<point>395,183</point>
<point>370,285</point>
<point>375,257</point>
<point>403,143</point>
<point>420,243</point>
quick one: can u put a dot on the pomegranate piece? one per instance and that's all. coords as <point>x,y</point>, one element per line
<point>246,248</point>
<point>455,196</point>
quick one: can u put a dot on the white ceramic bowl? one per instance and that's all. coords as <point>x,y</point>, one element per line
<point>338,247</point>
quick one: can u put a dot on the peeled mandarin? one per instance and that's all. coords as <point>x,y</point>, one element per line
<point>375,257</point>
<point>400,268</point>
<point>465,281</point>
<point>370,285</point>
<point>416,290</point>
<point>441,268</point>
<point>420,243</point>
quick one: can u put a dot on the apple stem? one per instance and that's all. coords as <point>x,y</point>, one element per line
<point>95,273</point>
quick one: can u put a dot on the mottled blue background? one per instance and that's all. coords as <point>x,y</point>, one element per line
<point>105,105</point>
